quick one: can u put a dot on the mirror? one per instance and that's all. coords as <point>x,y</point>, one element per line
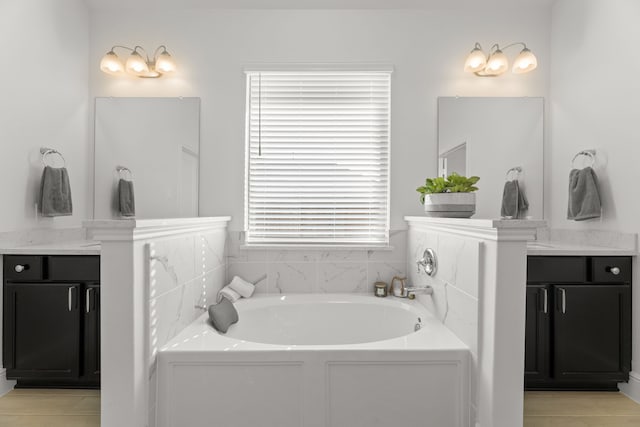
<point>158,140</point>
<point>487,137</point>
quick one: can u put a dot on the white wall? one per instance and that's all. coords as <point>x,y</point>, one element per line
<point>44,102</point>
<point>595,102</point>
<point>427,49</point>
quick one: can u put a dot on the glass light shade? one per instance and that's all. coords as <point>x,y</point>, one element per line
<point>137,65</point>
<point>525,62</point>
<point>111,64</point>
<point>497,63</point>
<point>165,63</point>
<point>476,61</point>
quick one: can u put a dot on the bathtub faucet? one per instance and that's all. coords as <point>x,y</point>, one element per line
<point>413,291</point>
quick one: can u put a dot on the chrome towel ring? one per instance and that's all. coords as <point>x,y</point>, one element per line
<point>47,152</point>
<point>591,154</point>
<point>123,170</point>
<point>515,170</point>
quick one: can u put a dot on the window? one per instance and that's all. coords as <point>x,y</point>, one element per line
<point>317,157</point>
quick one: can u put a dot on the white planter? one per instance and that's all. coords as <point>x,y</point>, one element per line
<point>450,205</point>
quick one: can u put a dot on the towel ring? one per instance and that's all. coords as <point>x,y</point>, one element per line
<point>591,154</point>
<point>124,169</point>
<point>517,170</point>
<point>46,152</point>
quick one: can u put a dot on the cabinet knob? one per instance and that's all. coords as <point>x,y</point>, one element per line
<point>615,270</point>
<point>19,268</point>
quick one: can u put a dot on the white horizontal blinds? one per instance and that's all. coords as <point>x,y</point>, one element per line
<point>318,157</point>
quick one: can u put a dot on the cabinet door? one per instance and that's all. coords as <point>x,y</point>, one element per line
<point>592,334</point>
<point>537,333</point>
<point>42,330</point>
<point>92,333</point>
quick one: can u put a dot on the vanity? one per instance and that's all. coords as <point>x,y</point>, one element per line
<point>578,318</point>
<point>51,315</point>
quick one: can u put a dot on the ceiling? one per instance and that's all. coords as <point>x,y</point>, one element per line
<point>320,4</point>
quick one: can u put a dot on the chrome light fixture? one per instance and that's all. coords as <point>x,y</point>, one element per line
<point>162,62</point>
<point>496,63</point>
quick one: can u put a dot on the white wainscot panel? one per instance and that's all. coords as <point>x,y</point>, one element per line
<point>395,394</point>
<point>265,395</point>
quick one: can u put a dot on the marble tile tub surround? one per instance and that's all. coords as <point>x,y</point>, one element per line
<point>316,270</point>
<point>498,293</point>
<point>188,259</point>
<point>455,286</point>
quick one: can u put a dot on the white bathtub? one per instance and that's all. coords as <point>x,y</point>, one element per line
<point>316,360</point>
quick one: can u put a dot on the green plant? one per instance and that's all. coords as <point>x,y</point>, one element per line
<point>454,183</point>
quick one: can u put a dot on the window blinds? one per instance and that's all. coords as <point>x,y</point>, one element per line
<point>317,157</point>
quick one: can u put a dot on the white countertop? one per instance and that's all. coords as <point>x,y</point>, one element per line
<point>554,248</point>
<point>80,247</point>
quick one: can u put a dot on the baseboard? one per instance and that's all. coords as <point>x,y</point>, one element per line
<point>632,388</point>
<point>5,385</point>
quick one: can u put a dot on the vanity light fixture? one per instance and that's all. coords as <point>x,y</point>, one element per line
<point>496,63</point>
<point>162,62</point>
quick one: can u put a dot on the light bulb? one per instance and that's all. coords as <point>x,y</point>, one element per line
<point>165,63</point>
<point>525,62</point>
<point>497,63</point>
<point>111,64</point>
<point>136,64</point>
<point>476,60</point>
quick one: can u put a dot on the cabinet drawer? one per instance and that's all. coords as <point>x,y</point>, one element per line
<point>74,267</point>
<point>23,267</point>
<point>556,269</point>
<point>611,269</point>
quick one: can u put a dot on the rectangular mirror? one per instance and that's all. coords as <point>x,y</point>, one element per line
<point>487,137</point>
<point>158,140</point>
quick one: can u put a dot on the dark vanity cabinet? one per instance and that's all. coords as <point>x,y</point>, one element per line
<point>51,320</point>
<point>578,322</point>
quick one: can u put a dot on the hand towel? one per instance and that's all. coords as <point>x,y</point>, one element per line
<point>55,192</point>
<point>523,203</point>
<point>584,197</point>
<point>510,199</point>
<point>242,287</point>
<point>126,199</point>
<point>229,294</point>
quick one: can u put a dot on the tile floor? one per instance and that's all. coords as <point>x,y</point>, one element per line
<point>579,409</point>
<point>50,408</point>
<point>81,408</point>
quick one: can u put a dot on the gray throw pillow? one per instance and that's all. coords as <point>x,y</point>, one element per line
<point>223,315</point>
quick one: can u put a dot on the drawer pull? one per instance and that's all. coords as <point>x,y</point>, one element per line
<point>614,270</point>
<point>70,295</point>
<point>20,268</point>
<point>563,293</point>
<point>88,300</point>
<point>545,301</point>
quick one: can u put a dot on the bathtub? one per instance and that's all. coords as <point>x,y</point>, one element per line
<point>325,360</point>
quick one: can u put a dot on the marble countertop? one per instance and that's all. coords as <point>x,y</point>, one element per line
<point>80,247</point>
<point>555,248</point>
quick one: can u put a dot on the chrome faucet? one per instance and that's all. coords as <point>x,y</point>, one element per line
<point>428,262</point>
<point>413,291</point>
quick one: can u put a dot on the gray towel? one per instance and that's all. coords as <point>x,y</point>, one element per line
<point>514,202</point>
<point>584,198</point>
<point>126,199</point>
<point>55,192</point>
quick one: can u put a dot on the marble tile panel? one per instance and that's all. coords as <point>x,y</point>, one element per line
<point>458,262</point>
<point>291,277</point>
<point>384,271</point>
<point>176,257</point>
<point>328,256</point>
<point>296,256</point>
<point>342,277</point>
<point>209,251</point>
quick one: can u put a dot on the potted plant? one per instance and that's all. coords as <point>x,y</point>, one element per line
<point>450,197</point>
